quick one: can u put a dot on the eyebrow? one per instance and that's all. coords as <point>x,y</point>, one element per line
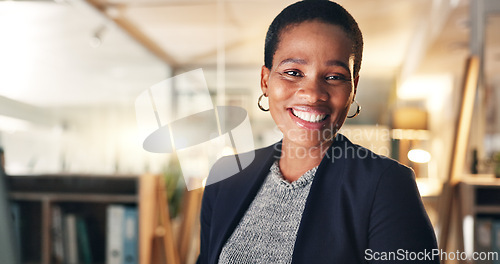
<point>338,63</point>
<point>304,62</point>
<point>293,60</point>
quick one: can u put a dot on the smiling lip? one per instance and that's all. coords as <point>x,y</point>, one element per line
<point>308,117</point>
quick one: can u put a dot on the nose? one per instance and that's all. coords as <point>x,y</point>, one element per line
<point>313,90</point>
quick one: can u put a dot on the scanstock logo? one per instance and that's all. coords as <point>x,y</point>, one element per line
<point>177,116</point>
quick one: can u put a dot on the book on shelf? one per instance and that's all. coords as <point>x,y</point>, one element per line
<point>83,241</point>
<point>130,235</point>
<point>57,235</point>
<point>71,242</point>
<point>16,217</point>
<point>70,238</point>
<point>122,234</point>
<point>495,239</point>
<point>483,236</point>
<point>114,241</point>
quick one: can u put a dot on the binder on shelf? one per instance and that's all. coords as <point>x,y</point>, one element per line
<point>495,239</point>
<point>71,242</point>
<point>130,236</point>
<point>16,217</point>
<point>83,241</point>
<point>57,235</point>
<point>483,236</point>
<point>114,238</point>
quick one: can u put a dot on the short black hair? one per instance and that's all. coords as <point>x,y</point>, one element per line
<point>307,10</point>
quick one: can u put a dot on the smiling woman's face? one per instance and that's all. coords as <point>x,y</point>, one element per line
<point>311,84</point>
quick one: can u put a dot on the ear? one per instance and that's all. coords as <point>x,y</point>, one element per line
<point>264,79</point>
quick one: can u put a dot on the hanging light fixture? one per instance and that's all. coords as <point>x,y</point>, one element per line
<point>419,156</point>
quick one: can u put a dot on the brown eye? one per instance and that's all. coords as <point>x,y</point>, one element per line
<point>293,73</point>
<point>336,78</point>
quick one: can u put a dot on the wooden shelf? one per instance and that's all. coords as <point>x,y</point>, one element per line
<point>485,209</point>
<point>88,196</point>
<point>480,198</point>
<point>486,180</point>
<point>77,198</point>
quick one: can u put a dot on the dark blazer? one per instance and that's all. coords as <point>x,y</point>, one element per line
<point>361,207</point>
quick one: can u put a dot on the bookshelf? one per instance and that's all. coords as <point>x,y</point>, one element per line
<point>88,197</point>
<point>480,198</point>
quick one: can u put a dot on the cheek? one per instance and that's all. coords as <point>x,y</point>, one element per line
<point>278,93</point>
<point>342,99</point>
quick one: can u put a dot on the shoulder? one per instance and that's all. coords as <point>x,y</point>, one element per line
<point>359,172</point>
<point>378,178</point>
<point>237,169</point>
<point>363,162</point>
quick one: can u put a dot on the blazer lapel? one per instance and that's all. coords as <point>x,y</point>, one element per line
<point>239,193</point>
<point>315,240</point>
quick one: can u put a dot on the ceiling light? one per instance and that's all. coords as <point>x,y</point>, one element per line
<point>423,86</point>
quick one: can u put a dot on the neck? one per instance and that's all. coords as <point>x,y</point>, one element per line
<point>298,159</point>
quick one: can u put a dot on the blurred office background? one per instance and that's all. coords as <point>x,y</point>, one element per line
<point>71,71</point>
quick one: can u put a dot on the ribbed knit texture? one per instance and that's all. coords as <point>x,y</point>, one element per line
<point>268,230</point>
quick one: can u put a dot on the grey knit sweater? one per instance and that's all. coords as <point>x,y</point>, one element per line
<point>268,230</point>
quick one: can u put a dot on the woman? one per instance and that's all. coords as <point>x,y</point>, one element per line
<point>314,197</point>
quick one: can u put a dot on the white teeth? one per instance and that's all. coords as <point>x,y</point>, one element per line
<point>309,117</point>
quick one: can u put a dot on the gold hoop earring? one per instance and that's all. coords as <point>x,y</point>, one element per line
<point>358,109</point>
<point>260,106</point>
